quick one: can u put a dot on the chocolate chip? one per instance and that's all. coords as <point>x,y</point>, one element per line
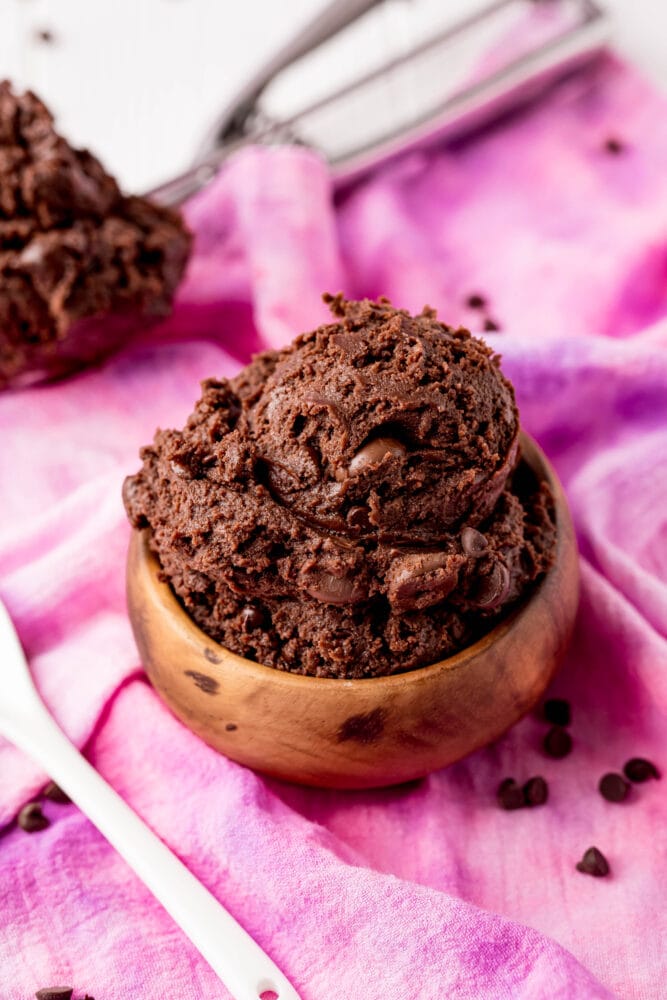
<point>373,453</point>
<point>251,618</point>
<point>614,146</point>
<point>557,712</point>
<point>638,769</point>
<point>421,579</point>
<point>357,517</point>
<point>476,301</point>
<point>55,993</point>
<point>613,787</point>
<point>593,863</point>
<point>490,325</point>
<point>54,793</point>
<point>330,589</point>
<point>557,743</point>
<point>509,795</point>
<point>473,542</point>
<point>31,818</point>
<point>493,589</point>
<point>231,727</point>
<point>535,792</point>
<point>45,36</point>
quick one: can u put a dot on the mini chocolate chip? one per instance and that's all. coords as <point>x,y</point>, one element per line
<point>557,743</point>
<point>373,453</point>
<point>535,791</point>
<point>490,325</point>
<point>252,618</point>
<point>55,993</point>
<point>557,712</point>
<point>593,863</point>
<point>638,769</point>
<point>473,542</point>
<point>330,589</point>
<point>613,787</point>
<point>614,146</point>
<point>509,795</point>
<point>45,36</point>
<point>357,517</point>
<point>493,589</point>
<point>31,818</point>
<point>231,726</point>
<point>476,301</point>
<point>54,793</point>
<point>421,579</point>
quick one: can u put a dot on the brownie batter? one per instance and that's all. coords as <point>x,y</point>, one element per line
<point>72,248</point>
<point>350,506</point>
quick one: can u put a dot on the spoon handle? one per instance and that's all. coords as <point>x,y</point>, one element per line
<point>243,967</point>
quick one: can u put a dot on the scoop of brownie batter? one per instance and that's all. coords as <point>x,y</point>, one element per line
<point>347,507</point>
<point>72,249</point>
<point>389,424</point>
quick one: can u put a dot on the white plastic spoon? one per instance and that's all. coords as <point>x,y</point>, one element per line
<point>243,967</point>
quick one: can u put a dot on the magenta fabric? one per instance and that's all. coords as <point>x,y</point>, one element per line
<point>428,890</point>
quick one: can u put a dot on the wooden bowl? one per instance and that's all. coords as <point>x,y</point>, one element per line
<point>357,733</point>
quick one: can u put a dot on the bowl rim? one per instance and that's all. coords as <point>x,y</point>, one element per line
<point>537,461</point>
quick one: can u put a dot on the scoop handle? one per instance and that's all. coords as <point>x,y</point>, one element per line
<point>243,967</point>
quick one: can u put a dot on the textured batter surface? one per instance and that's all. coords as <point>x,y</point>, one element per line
<point>345,507</point>
<point>71,245</point>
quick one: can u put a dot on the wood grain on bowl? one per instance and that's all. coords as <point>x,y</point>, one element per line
<point>357,733</point>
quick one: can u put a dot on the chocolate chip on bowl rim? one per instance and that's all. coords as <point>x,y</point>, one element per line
<point>403,614</point>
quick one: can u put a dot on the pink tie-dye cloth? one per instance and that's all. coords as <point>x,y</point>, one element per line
<point>423,891</point>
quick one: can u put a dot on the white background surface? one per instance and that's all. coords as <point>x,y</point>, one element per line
<point>139,81</point>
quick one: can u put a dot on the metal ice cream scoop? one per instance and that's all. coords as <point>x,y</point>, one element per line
<point>368,80</point>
